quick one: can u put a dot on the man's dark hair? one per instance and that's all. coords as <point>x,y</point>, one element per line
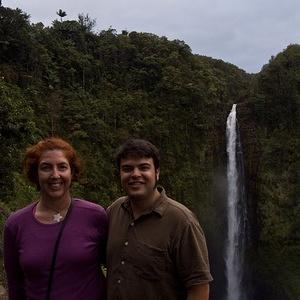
<point>139,148</point>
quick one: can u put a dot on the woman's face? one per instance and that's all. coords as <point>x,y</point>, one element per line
<point>54,175</point>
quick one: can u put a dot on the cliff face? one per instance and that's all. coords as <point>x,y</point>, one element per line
<point>268,114</point>
<point>269,122</point>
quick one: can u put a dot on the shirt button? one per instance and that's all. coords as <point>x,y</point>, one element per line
<point>122,262</point>
<point>119,281</point>
<point>132,224</point>
<point>126,243</point>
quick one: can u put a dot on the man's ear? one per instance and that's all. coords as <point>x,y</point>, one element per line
<point>157,174</point>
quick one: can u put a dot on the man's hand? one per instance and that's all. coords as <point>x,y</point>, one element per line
<point>198,292</point>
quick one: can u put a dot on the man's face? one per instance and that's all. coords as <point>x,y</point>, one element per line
<point>138,177</point>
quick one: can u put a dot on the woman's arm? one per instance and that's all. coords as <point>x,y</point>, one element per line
<point>14,273</point>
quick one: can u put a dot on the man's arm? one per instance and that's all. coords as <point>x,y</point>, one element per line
<point>198,292</point>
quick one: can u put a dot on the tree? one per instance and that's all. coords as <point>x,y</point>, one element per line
<point>86,22</point>
<point>17,128</point>
<point>15,40</point>
<point>61,14</point>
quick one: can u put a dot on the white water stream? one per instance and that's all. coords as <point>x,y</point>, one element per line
<point>236,230</point>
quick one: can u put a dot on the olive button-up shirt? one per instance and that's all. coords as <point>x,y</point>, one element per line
<point>157,256</point>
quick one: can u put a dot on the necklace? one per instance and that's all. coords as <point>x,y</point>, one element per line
<point>57,216</point>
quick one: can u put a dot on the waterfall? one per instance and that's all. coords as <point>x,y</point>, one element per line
<point>236,212</point>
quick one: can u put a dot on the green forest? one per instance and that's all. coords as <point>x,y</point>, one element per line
<point>97,89</point>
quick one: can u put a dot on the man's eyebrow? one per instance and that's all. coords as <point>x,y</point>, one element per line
<point>133,165</point>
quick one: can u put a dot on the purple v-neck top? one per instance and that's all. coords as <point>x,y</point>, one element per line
<point>28,249</point>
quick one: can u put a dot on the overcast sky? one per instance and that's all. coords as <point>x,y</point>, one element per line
<point>245,33</point>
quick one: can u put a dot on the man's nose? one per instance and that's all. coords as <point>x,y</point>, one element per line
<point>135,172</point>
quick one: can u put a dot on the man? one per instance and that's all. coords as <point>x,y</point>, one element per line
<point>156,247</point>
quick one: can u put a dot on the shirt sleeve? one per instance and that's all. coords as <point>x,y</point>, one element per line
<point>14,273</point>
<point>191,255</point>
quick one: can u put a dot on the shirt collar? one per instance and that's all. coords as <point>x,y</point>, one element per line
<point>159,206</point>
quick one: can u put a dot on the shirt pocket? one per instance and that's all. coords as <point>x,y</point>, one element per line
<point>149,262</point>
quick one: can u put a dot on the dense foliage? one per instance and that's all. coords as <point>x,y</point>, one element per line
<point>275,103</point>
<point>98,88</point>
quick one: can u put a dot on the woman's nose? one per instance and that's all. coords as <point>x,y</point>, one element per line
<point>55,173</point>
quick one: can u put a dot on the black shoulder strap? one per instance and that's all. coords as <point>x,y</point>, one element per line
<point>50,279</point>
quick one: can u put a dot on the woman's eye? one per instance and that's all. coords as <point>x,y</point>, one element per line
<point>44,168</point>
<point>63,167</point>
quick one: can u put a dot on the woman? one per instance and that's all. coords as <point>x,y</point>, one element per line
<point>33,270</point>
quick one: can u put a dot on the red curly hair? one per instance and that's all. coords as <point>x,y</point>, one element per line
<point>33,155</point>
